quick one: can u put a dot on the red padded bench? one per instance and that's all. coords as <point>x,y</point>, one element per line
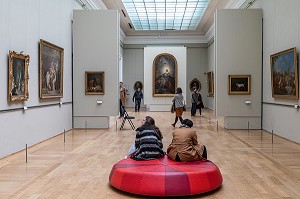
<point>164,177</point>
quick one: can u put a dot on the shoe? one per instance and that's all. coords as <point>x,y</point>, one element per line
<point>120,117</point>
<point>173,125</point>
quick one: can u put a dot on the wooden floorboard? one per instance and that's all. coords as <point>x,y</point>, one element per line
<point>252,167</point>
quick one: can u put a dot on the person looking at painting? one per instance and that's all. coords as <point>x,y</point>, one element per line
<point>197,103</point>
<point>137,98</point>
<point>122,99</point>
<point>194,100</point>
<point>178,104</point>
<point>148,141</point>
<point>185,146</point>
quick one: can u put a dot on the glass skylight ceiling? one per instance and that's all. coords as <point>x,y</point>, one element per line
<point>165,14</point>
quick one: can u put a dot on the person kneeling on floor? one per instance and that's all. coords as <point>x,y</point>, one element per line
<point>184,146</point>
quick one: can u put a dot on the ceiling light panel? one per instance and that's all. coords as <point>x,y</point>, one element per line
<point>165,14</point>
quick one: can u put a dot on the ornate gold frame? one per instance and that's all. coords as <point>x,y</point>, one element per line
<point>273,59</point>
<point>233,90</point>
<point>42,81</point>
<point>191,85</point>
<point>13,97</point>
<point>210,83</point>
<point>94,90</point>
<point>154,71</point>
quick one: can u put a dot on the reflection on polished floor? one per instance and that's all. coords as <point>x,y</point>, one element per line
<point>252,167</point>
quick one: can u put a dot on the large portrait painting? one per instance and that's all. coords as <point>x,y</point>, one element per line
<point>164,75</point>
<point>239,84</point>
<point>17,77</point>
<point>138,84</point>
<point>94,83</point>
<point>210,83</point>
<point>195,84</point>
<point>51,70</point>
<point>284,74</point>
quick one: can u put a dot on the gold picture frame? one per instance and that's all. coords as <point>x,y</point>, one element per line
<point>210,83</point>
<point>94,83</point>
<point>239,84</point>
<point>18,77</point>
<point>164,75</point>
<point>284,74</point>
<point>51,70</point>
<point>195,83</point>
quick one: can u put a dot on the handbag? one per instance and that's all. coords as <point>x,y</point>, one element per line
<point>200,105</point>
<point>173,107</point>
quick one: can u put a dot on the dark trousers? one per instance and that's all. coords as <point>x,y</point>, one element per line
<point>122,110</point>
<point>194,109</point>
<point>137,104</point>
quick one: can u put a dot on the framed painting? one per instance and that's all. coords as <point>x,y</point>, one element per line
<point>51,70</point>
<point>17,77</point>
<point>138,84</point>
<point>94,83</point>
<point>210,83</point>
<point>195,84</point>
<point>164,75</point>
<point>239,84</point>
<point>284,74</point>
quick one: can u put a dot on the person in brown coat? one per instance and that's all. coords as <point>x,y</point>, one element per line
<point>122,99</point>
<point>184,146</point>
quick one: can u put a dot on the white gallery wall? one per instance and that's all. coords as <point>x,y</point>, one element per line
<point>196,68</point>
<point>196,63</point>
<point>281,23</point>
<point>96,50</point>
<point>211,67</point>
<point>150,52</point>
<point>133,71</point>
<point>22,24</point>
<point>238,47</point>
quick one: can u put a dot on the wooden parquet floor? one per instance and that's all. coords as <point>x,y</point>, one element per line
<point>252,167</point>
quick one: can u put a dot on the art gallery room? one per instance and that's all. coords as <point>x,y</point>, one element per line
<point>70,129</point>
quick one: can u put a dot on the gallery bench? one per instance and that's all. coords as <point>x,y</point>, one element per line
<point>164,177</point>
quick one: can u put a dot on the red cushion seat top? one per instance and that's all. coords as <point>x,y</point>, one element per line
<point>164,177</point>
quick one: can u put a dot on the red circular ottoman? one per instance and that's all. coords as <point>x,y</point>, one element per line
<point>165,177</point>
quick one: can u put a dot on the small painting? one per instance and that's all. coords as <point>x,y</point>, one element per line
<point>195,84</point>
<point>239,84</point>
<point>210,83</point>
<point>284,74</point>
<point>164,75</point>
<point>94,83</point>
<point>18,77</point>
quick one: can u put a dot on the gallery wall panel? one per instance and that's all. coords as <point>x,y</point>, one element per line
<point>150,53</point>
<point>96,50</point>
<point>238,43</point>
<point>281,31</point>
<point>22,24</point>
